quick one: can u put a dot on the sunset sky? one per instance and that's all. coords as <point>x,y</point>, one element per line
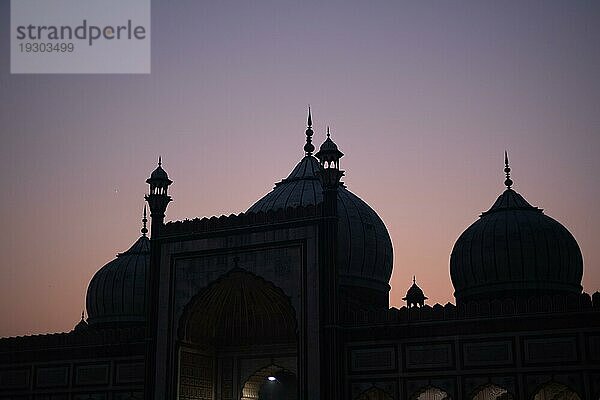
<point>422,97</point>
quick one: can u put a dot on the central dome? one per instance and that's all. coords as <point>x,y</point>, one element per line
<point>364,246</point>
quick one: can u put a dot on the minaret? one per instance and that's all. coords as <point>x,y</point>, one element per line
<point>158,199</point>
<point>332,362</point>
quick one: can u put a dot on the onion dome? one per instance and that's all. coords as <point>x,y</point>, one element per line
<point>364,247</point>
<point>116,293</point>
<point>159,172</point>
<point>515,250</point>
<point>414,295</point>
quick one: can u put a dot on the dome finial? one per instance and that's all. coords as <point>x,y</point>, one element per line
<point>414,279</point>
<point>159,161</point>
<point>309,147</point>
<point>82,315</point>
<point>508,182</point>
<point>328,134</point>
<point>144,220</point>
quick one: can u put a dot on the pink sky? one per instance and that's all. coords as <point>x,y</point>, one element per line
<point>422,98</point>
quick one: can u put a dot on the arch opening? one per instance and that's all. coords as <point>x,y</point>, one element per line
<point>555,391</point>
<point>236,319</point>
<point>492,392</point>
<point>270,383</point>
<point>431,393</point>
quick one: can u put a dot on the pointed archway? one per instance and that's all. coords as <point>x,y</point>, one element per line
<point>555,391</point>
<point>269,383</point>
<point>236,319</point>
<point>430,393</point>
<point>491,392</point>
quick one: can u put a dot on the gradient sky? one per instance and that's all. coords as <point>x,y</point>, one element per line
<point>422,97</point>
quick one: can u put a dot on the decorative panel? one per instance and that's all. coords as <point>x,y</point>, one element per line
<point>14,379</point>
<point>487,353</point>
<point>52,376</point>
<point>429,356</point>
<point>129,396</point>
<point>379,359</point>
<point>92,374</point>
<point>551,350</point>
<point>195,376</point>
<point>130,373</point>
<point>91,396</point>
<point>59,396</point>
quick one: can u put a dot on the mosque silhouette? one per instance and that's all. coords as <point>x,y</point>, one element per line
<point>290,300</point>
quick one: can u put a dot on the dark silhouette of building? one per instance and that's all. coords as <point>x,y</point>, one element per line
<point>290,299</point>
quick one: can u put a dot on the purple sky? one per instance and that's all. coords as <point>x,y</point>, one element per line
<point>422,97</point>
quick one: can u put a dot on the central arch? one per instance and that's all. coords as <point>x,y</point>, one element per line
<point>229,326</point>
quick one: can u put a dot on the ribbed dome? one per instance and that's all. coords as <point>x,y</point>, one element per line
<point>364,248</point>
<point>117,291</point>
<point>514,250</point>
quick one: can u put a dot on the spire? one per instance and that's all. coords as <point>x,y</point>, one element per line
<point>308,147</point>
<point>144,220</point>
<point>508,182</point>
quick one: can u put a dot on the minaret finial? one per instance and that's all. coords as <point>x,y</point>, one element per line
<point>308,147</point>
<point>159,161</point>
<point>144,220</point>
<point>508,182</point>
<point>414,279</point>
<point>328,134</point>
